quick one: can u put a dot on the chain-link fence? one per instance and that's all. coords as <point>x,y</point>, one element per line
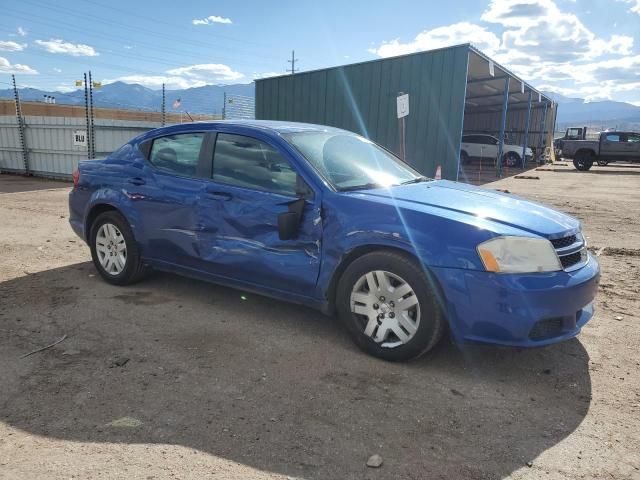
<point>49,140</point>
<point>238,107</point>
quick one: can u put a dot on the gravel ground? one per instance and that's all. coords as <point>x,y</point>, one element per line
<point>173,378</point>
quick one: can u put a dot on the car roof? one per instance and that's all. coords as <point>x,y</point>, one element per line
<point>273,125</point>
<point>269,127</point>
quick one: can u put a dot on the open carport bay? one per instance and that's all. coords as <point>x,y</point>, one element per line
<point>176,378</point>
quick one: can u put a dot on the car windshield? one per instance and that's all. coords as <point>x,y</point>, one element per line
<point>351,162</point>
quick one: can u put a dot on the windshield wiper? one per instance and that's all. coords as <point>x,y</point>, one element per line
<point>364,186</point>
<point>416,180</point>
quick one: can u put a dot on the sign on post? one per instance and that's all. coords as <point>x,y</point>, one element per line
<point>79,138</point>
<point>403,105</point>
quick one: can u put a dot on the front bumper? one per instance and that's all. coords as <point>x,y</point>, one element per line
<point>523,310</point>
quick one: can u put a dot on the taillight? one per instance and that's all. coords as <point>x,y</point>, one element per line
<point>76,177</point>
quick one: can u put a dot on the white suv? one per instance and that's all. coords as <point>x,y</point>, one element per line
<point>486,146</point>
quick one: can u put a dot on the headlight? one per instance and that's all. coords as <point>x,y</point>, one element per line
<point>519,255</point>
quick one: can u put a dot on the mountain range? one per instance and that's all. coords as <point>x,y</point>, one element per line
<point>209,99</point>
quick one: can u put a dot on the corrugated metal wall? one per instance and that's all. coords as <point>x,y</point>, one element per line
<point>49,142</point>
<point>489,122</point>
<point>362,98</point>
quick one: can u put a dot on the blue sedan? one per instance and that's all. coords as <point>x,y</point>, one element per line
<point>326,218</point>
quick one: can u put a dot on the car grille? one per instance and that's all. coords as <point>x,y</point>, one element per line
<point>564,242</point>
<point>572,251</point>
<point>570,260</point>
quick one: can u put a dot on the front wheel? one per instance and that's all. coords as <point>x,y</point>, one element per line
<point>114,250</point>
<point>389,307</point>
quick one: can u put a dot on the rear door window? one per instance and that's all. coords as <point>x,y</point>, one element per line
<point>613,137</point>
<point>178,154</point>
<point>251,163</point>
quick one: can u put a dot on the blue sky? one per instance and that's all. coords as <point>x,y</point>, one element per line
<point>583,48</point>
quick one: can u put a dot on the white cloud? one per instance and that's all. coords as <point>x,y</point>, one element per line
<point>184,77</point>
<point>127,47</point>
<point>8,67</point>
<point>267,74</point>
<point>635,5</point>
<point>22,32</point>
<point>57,70</point>
<point>463,32</point>
<point>540,42</point>
<point>56,45</point>
<point>156,81</point>
<point>9,46</point>
<point>541,29</point>
<point>65,88</point>
<point>207,71</point>
<point>211,19</point>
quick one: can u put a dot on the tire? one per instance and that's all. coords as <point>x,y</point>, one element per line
<point>109,232</point>
<point>378,336</point>
<point>511,159</point>
<point>583,160</point>
<point>464,158</point>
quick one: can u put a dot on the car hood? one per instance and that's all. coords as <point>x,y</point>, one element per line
<point>459,198</point>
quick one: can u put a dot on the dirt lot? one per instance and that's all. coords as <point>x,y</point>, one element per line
<point>173,378</point>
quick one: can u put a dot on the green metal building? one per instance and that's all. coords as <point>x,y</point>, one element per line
<point>447,88</point>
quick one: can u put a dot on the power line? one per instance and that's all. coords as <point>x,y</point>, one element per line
<point>149,18</point>
<point>149,47</point>
<point>101,21</point>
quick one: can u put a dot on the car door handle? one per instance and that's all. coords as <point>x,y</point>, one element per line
<point>136,181</point>
<point>215,195</point>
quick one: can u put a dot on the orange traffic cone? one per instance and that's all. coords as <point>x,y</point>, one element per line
<point>438,173</point>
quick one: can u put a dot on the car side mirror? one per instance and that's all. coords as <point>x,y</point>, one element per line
<point>289,222</point>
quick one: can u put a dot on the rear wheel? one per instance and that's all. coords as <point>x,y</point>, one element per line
<point>114,250</point>
<point>583,160</point>
<point>389,307</point>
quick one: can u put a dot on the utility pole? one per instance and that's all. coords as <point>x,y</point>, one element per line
<point>163,107</point>
<point>86,114</point>
<point>293,62</point>
<point>224,107</point>
<point>91,117</point>
<point>20,119</point>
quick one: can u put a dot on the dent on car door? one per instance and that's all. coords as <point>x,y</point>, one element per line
<point>253,183</point>
<point>173,179</point>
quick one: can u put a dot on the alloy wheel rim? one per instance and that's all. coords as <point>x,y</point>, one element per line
<point>111,248</point>
<point>387,306</point>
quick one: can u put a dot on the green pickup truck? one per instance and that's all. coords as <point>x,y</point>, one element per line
<point>608,147</point>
